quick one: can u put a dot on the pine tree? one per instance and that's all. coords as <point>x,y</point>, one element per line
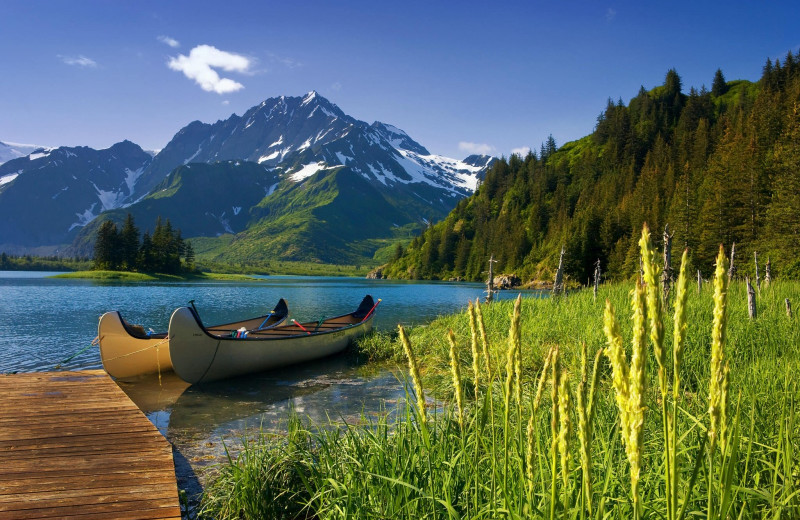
<point>146,258</point>
<point>107,247</point>
<point>189,258</point>
<point>719,86</point>
<point>129,242</point>
<point>398,252</point>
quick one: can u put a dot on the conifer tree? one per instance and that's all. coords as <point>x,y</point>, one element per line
<point>107,247</point>
<point>719,85</point>
<point>146,258</point>
<point>189,257</point>
<point>129,243</point>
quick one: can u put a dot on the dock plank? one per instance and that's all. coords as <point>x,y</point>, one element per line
<point>73,445</point>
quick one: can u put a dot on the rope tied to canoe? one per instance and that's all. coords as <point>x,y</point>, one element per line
<point>94,342</point>
<point>155,346</point>
<point>158,357</point>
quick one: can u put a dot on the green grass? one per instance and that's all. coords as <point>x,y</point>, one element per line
<point>496,465</point>
<point>127,276</point>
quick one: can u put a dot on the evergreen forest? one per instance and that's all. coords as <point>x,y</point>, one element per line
<point>124,249</point>
<point>719,166</point>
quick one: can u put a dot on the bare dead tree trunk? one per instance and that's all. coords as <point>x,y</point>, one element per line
<point>758,278</point>
<point>732,269</point>
<point>596,277</point>
<point>666,274</point>
<point>788,308</point>
<point>751,299</point>
<point>558,283</point>
<point>767,272</point>
<point>490,281</point>
<point>699,282</point>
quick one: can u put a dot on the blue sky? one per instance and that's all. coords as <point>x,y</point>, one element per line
<point>459,77</point>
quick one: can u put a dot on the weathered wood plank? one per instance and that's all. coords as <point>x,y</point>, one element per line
<point>73,445</point>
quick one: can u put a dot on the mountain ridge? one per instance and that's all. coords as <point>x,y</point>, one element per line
<point>278,145</point>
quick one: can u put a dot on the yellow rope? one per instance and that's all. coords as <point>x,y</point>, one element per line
<point>140,350</point>
<point>158,363</point>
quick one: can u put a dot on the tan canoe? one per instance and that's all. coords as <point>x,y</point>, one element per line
<point>199,355</point>
<point>127,351</point>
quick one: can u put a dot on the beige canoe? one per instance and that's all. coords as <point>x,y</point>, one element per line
<point>127,351</point>
<point>199,355</point>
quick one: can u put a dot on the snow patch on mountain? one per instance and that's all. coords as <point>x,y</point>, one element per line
<point>308,98</point>
<point>307,171</point>
<point>41,152</point>
<point>199,149</point>
<point>343,158</point>
<point>273,155</point>
<point>5,179</point>
<point>84,218</point>
<point>109,199</point>
<point>131,176</point>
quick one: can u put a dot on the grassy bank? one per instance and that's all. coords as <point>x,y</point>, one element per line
<point>518,441</point>
<point>127,276</point>
<point>278,267</point>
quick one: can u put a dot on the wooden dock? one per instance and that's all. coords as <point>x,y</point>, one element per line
<point>74,446</point>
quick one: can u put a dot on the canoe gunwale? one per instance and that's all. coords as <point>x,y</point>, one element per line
<point>367,319</point>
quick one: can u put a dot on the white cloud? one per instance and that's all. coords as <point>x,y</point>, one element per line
<point>172,42</point>
<point>521,151</point>
<point>226,102</point>
<point>610,14</point>
<point>198,67</point>
<point>79,61</point>
<point>336,87</point>
<point>475,148</point>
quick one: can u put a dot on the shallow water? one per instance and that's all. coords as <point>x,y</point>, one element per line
<point>44,321</point>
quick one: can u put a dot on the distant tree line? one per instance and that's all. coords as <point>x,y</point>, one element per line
<point>718,166</point>
<point>125,249</point>
<point>42,263</point>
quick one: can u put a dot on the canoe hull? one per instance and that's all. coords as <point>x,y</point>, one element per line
<point>199,357</point>
<point>125,356</point>
<point>128,353</point>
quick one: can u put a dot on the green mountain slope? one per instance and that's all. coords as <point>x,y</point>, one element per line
<point>719,167</point>
<point>196,198</point>
<point>334,216</point>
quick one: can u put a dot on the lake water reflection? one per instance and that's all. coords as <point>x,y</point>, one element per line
<point>44,321</point>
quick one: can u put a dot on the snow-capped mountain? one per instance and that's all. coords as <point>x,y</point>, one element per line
<point>47,196</point>
<point>10,151</point>
<point>293,177</point>
<point>303,135</point>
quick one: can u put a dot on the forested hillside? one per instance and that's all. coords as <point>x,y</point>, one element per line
<point>718,166</point>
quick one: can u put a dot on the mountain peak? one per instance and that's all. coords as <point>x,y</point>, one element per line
<point>398,138</point>
<point>308,98</point>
